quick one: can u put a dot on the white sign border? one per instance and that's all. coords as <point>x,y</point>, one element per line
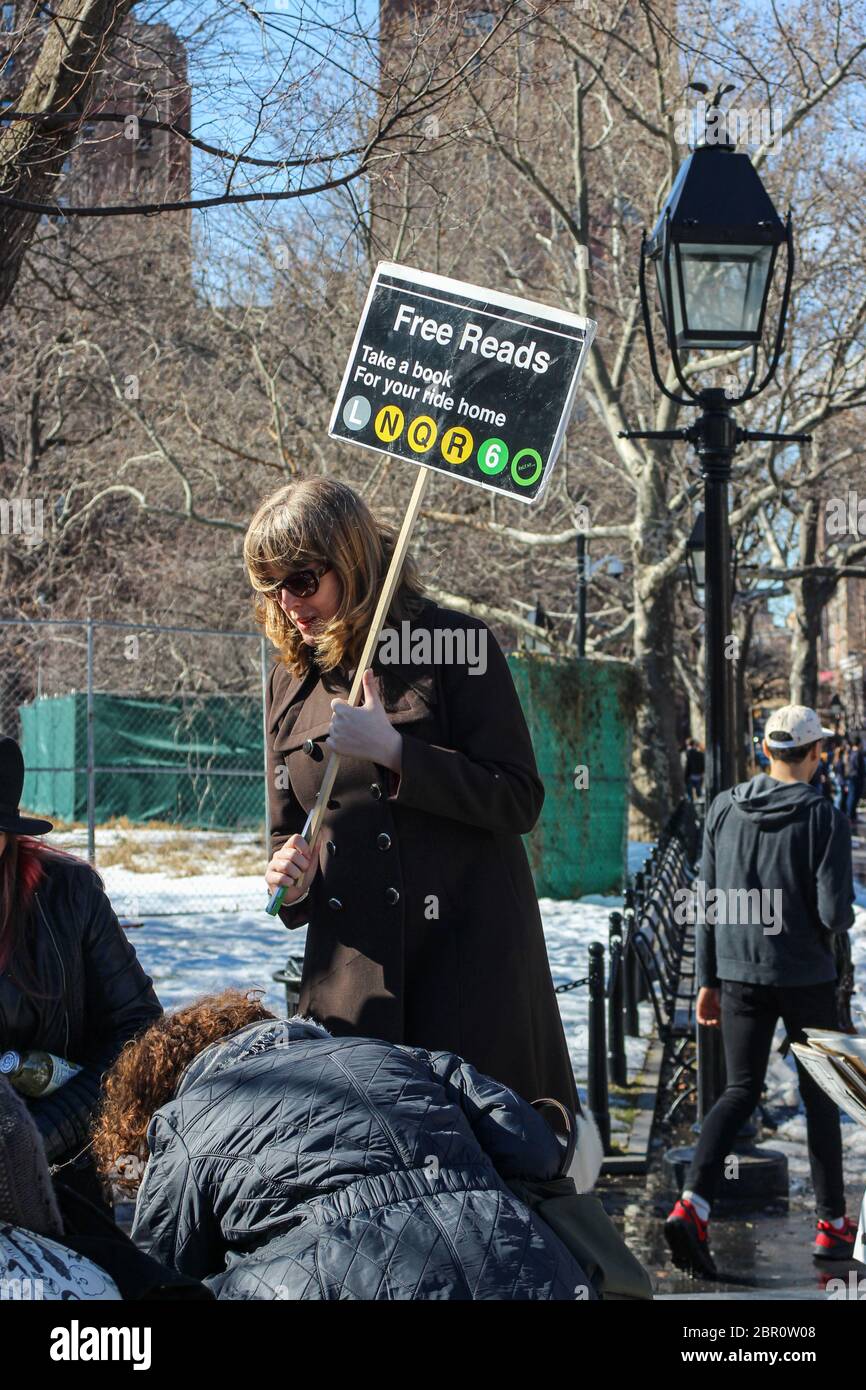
<point>503,300</point>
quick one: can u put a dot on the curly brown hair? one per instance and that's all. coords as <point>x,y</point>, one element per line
<point>148,1070</point>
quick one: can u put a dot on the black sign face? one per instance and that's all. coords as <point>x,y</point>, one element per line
<point>474,383</point>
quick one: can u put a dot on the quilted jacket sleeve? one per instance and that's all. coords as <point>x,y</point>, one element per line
<point>119,1003</point>
<point>174,1218</point>
<point>488,776</point>
<point>516,1138</point>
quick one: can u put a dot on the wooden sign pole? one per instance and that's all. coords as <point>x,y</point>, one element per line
<point>313,823</point>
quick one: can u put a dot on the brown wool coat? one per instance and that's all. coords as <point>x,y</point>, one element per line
<point>424,926</point>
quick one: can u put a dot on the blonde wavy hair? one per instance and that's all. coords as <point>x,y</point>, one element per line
<point>305,525</point>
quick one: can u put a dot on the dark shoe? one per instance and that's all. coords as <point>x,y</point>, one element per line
<point>686,1234</point>
<point>831,1244</point>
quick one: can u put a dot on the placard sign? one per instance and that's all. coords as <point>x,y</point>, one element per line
<point>471,382</point>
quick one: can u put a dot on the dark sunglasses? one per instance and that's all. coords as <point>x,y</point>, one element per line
<point>300,583</point>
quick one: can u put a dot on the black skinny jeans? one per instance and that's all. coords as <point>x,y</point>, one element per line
<point>749,1016</point>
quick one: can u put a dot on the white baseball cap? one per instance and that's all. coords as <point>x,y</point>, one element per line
<point>793,726</point>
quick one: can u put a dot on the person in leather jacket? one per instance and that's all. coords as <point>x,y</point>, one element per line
<point>70,982</point>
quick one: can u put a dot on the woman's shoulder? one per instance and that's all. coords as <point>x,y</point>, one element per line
<point>64,872</point>
<point>436,616</point>
<point>285,684</point>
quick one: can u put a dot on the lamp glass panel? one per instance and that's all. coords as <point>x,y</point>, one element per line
<point>663,297</point>
<point>723,287</point>
<point>699,562</point>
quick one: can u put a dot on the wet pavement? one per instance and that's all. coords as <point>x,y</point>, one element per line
<point>760,1254</point>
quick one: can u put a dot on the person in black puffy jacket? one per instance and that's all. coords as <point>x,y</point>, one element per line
<point>285,1163</point>
<point>70,982</point>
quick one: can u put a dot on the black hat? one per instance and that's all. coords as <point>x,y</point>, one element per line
<point>11,784</point>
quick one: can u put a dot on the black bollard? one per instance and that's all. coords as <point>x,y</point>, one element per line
<point>614,927</point>
<point>639,887</point>
<point>616,1065</point>
<point>630,978</point>
<point>290,979</point>
<point>597,1080</point>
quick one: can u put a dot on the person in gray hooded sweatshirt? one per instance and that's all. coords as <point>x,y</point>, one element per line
<point>776,883</point>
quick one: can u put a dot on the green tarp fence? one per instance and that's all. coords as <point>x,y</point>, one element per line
<point>580,715</point>
<point>197,761</point>
<point>191,761</point>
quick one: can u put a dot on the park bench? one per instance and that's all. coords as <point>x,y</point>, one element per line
<point>660,942</point>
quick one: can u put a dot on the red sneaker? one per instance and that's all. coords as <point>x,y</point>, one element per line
<point>686,1234</point>
<point>831,1244</point>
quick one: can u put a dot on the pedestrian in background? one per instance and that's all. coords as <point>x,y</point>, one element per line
<point>695,766</point>
<point>778,835</point>
<point>840,774</point>
<point>856,779</point>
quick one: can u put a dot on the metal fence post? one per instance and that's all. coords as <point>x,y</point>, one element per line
<point>596,1089</point>
<point>616,1061</point>
<point>91,758</point>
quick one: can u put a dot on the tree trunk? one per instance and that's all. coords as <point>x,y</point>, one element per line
<point>743,626</point>
<point>811,596</point>
<point>657,776</point>
<point>77,35</point>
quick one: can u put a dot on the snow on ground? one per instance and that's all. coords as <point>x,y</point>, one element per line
<point>191,955</point>
<point>222,936</point>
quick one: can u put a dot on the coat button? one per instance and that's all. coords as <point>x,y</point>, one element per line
<point>331,847</point>
<point>392,896</point>
<point>335,905</point>
<point>309,746</point>
<point>383,841</point>
<point>376,791</point>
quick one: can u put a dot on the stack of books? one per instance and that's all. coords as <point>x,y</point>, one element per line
<point>837,1061</point>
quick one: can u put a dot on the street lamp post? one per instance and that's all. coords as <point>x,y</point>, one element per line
<point>714,250</point>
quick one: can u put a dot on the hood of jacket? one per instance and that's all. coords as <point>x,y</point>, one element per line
<point>247,1042</point>
<point>770,803</point>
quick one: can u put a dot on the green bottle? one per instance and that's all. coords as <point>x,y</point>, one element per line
<point>36,1073</point>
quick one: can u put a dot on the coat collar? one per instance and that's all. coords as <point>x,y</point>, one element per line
<point>301,707</point>
<point>248,1041</point>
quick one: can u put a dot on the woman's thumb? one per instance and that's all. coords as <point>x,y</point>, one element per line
<point>371,693</point>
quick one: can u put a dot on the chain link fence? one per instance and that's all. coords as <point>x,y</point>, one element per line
<point>144,745</point>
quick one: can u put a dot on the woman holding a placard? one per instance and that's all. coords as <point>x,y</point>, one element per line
<point>423,924</point>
